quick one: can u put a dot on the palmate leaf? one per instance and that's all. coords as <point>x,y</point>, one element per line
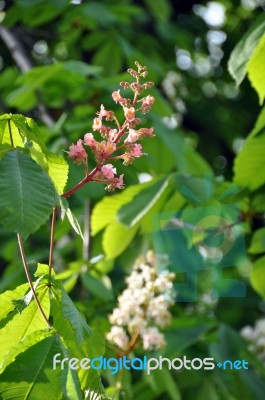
<point>27,194</point>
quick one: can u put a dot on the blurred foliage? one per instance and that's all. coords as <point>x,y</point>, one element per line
<point>59,61</point>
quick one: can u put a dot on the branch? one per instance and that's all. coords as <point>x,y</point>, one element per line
<point>23,62</point>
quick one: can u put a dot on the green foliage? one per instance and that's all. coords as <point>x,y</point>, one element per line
<point>256,71</point>
<point>76,56</point>
<point>242,53</point>
<point>28,194</point>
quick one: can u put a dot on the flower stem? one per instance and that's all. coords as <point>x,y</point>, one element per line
<point>86,179</point>
<point>23,256</point>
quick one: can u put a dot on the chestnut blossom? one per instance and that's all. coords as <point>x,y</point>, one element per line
<point>143,306</point>
<point>114,139</point>
<point>118,336</point>
<point>136,150</point>
<point>77,152</point>
<point>117,97</point>
<point>89,140</point>
<point>97,124</point>
<point>108,171</point>
<point>153,339</point>
<point>129,113</point>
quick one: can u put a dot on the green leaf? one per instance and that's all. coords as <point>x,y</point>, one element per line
<point>97,287</point>
<point>249,167</point>
<point>57,169</point>
<point>43,269</point>
<point>27,377</point>
<point>259,127</point>
<point>9,132</point>
<point>256,70</point>
<point>55,165</point>
<point>27,194</point>
<point>17,326</point>
<point>80,340</point>
<point>105,211</point>
<point>160,9</point>
<point>7,299</point>
<point>116,238</point>
<point>132,212</point>
<point>23,345</point>
<point>237,64</point>
<point>258,242</point>
<point>71,218</point>
<point>161,382</point>
<point>257,276</point>
<point>19,131</point>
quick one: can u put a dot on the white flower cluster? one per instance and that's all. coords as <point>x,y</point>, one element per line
<point>143,307</point>
<point>256,338</point>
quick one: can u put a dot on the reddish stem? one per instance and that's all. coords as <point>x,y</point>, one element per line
<point>86,179</point>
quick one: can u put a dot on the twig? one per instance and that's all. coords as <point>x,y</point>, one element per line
<point>52,243</point>
<point>22,252</point>
<point>23,62</point>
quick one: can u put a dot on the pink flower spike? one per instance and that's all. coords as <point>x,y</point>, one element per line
<point>137,151</point>
<point>108,171</point>
<point>89,140</point>
<point>97,123</point>
<point>129,113</point>
<point>77,153</point>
